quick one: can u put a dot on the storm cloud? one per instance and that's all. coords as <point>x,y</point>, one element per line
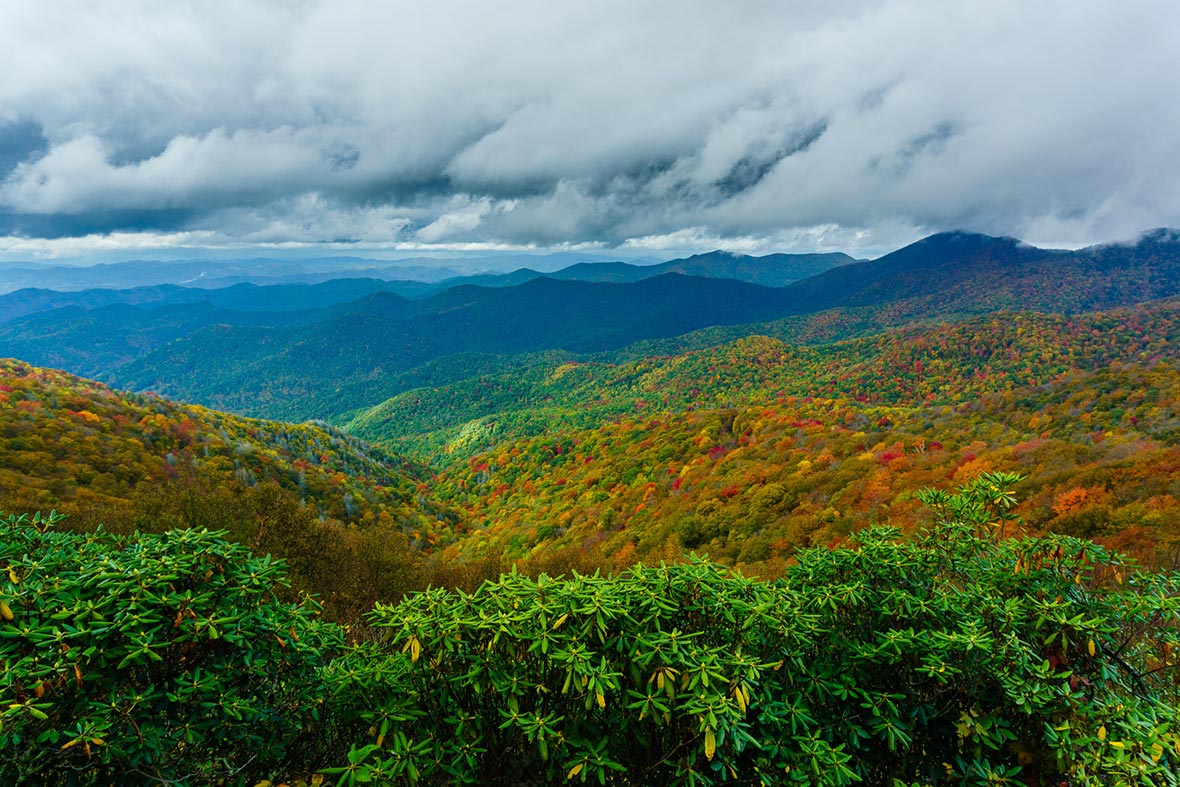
<point>637,125</point>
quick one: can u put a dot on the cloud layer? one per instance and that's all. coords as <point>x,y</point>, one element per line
<point>752,124</point>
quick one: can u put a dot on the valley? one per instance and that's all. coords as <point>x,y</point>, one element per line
<point>604,417</point>
<point>489,437</point>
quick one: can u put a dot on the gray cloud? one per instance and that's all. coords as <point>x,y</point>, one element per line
<point>749,124</point>
<point>20,141</point>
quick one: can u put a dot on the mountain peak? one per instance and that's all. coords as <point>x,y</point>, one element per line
<point>965,238</point>
<point>1159,236</point>
<point>947,247</point>
<point>715,254</point>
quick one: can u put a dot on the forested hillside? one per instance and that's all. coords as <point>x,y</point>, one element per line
<point>750,484</point>
<point>344,513</point>
<point>938,364</point>
<point>350,360</point>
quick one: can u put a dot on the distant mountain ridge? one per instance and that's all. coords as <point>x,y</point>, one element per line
<point>211,273</point>
<point>245,297</point>
<point>771,270</point>
<point>320,363</point>
<point>275,296</point>
<point>217,273</point>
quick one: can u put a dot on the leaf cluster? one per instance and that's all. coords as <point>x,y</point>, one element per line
<point>158,658</point>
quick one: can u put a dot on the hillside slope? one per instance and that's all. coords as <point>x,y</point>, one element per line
<point>346,516</point>
<point>750,483</point>
<point>925,365</point>
<point>348,361</point>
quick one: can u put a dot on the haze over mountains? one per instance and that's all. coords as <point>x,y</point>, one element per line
<point>209,273</point>
<point>149,281</point>
<point>215,273</point>
<point>413,275</point>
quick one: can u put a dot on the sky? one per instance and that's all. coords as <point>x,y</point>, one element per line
<point>630,128</point>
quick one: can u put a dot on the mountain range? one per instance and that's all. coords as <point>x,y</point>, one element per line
<point>272,286</point>
<point>589,420</point>
<point>412,276</point>
<point>302,351</point>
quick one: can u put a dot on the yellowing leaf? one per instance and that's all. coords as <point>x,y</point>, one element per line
<point>574,771</point>
<point>710,744</point>
<point>5,611</point>
<point>557,624</point>
<point>1102,733</point>
<point>1090,647</point>
<point>601,699</point>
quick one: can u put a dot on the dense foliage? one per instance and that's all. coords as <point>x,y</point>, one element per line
<point>959,657</point>
<point>962,655</point>
<point>749,484</point>
<point>162,658</point>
